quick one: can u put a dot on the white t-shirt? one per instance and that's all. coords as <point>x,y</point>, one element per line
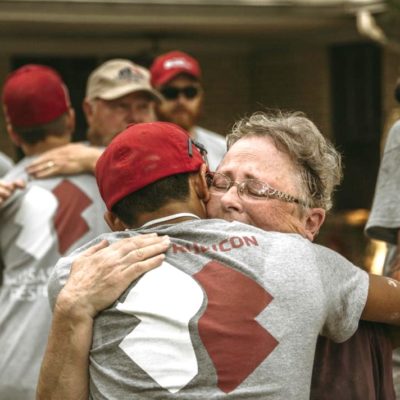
<point>38,225</point>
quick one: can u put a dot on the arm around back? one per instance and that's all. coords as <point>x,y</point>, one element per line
<point>383,302</point>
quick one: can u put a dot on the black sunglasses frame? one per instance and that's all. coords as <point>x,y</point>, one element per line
<point>172,93</point>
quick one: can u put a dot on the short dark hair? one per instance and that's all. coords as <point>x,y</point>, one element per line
<point>37,133</point>
<point>152,197</point>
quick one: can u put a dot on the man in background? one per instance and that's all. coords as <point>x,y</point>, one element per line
<point>39,224</point>
<point>118,93</point>
<point>177,76</point>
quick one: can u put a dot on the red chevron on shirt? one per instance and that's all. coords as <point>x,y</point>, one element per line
<point>69,223</point>
<point>235,341</point>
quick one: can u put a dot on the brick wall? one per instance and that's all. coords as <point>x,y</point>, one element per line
<point>238,84</point>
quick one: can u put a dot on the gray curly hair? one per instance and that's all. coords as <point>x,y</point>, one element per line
<point>318,162</point>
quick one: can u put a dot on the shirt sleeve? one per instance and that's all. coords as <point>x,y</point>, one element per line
<point>61,271</point>
<point>346,291</point>
<point>384,219</point>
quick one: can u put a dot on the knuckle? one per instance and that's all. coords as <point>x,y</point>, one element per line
<point>139,253</point>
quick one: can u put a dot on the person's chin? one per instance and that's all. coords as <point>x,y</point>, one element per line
<point>183,119</point>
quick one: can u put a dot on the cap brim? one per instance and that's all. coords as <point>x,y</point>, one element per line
<point>127,89</point>
<point>173,73</point>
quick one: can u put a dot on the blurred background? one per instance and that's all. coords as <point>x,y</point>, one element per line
<point>338,61</point>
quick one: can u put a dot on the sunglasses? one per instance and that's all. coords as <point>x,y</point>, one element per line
<point>172,93</point>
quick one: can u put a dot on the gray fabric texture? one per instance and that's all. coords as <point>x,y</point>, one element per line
<point>384,219</point>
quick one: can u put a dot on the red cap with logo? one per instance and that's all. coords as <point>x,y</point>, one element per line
<point>143,154</point>
<point>34,95</point>
<point>169,65</point>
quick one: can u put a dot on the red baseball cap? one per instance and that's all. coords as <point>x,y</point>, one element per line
<point>167,66</point>
<point>34,95</point>
<point>143,154</point>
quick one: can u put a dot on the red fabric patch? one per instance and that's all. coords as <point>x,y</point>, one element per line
<point>235,341</point>
<point>68,221</point>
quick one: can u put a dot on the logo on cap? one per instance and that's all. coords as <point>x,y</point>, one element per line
<point>130,75</point>
<point>177,63</point>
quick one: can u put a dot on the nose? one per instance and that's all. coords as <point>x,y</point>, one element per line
<point>130,116</point>
<point>181,99</point>
<point>230,200</point>
<point>136,116</point>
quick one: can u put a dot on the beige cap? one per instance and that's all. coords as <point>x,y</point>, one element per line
<point>118,77</point>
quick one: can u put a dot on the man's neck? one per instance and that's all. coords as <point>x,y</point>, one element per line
<point>171,214</point>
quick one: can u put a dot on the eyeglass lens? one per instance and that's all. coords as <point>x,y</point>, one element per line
<point>250,187</point>
<point>172,93</point>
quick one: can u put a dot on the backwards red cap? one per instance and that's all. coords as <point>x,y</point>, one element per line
<point>34,95</point>
<point>169,65</point>
<point>143,154</point>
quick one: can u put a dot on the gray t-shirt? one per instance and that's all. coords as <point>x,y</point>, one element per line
<point>38,225</point>
<point>234,312</point>
<point>384,220</point>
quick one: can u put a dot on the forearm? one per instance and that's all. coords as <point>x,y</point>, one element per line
<point>74,158</point>
<point>65,368</point>
<point>383,302</point>
<point>89,162</point>
<point>395,263</point>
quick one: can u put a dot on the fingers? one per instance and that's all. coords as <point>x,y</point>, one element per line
<point>8,188</point>
<point>126,246</point>
<point>147,251</point>
<point>101,274</point>
<point>19,184</point>
<point>95,248</point>
<point>43,167</point>
<point>135,270</point>
<point>70,159</point>
<point>5,193</point>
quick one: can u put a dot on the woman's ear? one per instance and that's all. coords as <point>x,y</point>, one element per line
<point>114,222</point>
<point>314,219</point>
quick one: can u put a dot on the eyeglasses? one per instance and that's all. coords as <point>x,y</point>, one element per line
<point>253,188</point>
<point>172,92</point>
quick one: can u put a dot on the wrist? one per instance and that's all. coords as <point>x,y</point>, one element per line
<point>73,309</point>
<point>92,160</point>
